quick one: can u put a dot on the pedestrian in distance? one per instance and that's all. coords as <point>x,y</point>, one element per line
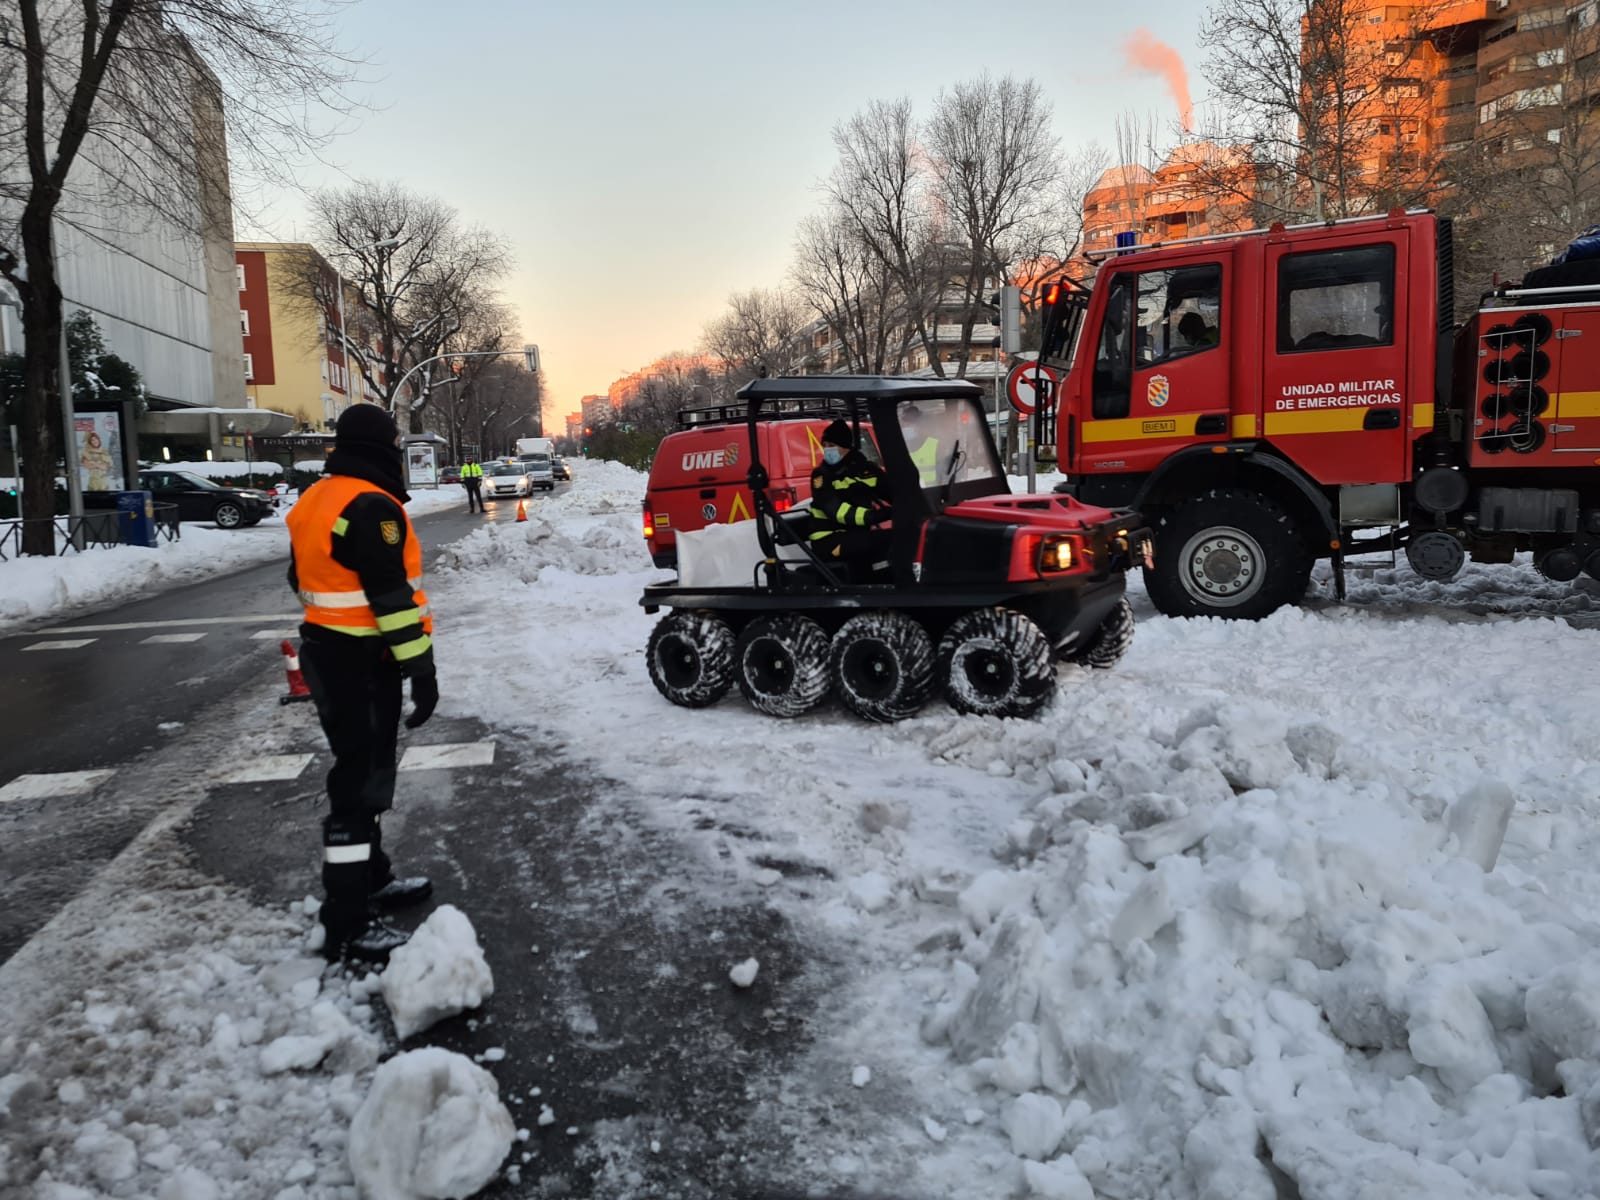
<point>356,565</point>
<point>849,500</point>
<point>472,480</point>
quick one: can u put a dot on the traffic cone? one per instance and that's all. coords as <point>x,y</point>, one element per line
<point>297,681</point>
<point>522,510</point>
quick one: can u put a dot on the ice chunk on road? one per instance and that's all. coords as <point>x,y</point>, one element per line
<point>189,1184</point>
<point>861,1076</point>
<point>1478,820</point>
<point>1058,1180</point>
<point>1147,911</point>
<point>440,972</point>
<point>431,1128</point>
<point>1035,1124</point>
<point>1007,989</point>
<point>1450,1032</point>
<point>744,974</point>
<point>1564,1009</point>
<point>871,892</point>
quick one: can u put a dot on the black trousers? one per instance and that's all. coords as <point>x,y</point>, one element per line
<point>858,548</point>
<point>474,498</point>
<point>357,689</point>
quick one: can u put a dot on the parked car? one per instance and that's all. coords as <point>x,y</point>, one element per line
<point>506,479</point>
<point>450,475</point>
<point>559,468</point>
<point>199,499</point>
<point>697,477</point>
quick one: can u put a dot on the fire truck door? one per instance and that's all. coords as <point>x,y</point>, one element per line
<point>1336,376</point>
<point>1160,369</point>
<point>1573,411</point>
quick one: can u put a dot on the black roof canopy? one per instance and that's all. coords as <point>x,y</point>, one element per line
<point>866,387</point>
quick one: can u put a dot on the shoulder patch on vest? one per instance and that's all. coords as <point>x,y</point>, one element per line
<point>390,531</point>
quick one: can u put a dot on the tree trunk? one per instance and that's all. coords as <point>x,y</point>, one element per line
<point>40,410</point>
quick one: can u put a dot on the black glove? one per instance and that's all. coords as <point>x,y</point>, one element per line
<point>879,515</point>
<point>424,698</point>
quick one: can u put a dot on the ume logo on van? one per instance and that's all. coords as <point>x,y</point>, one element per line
<point>710,460</point>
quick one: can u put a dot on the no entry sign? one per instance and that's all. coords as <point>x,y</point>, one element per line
<point>1020,387</point>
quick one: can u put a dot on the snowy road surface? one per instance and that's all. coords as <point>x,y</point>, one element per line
<point>1218,924</point>
<point>94,693</point>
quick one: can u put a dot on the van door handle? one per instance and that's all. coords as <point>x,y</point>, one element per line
<point>1211,423</point>
<point>709,494</point>
<point>1382,418</point>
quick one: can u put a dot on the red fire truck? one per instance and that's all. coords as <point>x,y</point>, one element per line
<point>1274,397</point>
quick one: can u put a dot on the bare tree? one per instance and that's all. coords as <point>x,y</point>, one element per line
<point>418,270</point>
<point>996,171</point>
<point>756,335</point>
<point>1329,102</point>
<point>852,291</point>
<point>457,412</point>
<point>882,187</point>
<point>111,116</point>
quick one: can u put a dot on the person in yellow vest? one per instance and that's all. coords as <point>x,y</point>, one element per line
<point>923,447</point>
<point>472,480</point>
<point>356,565</point>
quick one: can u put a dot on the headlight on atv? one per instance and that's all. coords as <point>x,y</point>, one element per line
<point>1057,554</point>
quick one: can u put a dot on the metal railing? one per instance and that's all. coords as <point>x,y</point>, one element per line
<point>76,535</point>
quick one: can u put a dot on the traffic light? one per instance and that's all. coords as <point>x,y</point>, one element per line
<point>1011,319</point>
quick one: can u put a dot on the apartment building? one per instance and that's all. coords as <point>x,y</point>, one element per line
<point>294,361</point>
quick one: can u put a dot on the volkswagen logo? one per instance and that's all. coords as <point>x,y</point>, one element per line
<point>708,511</point>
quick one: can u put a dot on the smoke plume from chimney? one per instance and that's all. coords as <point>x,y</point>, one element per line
<point>1146,54</point>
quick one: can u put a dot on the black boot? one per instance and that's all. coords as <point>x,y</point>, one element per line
<point>398,893</point>
<point>373,944</point>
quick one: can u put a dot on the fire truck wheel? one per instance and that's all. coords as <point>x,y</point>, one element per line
<point>1227,554</point>
<point>690,658</point>
<point>881,666</point>
<point>783,664</point>
<point>1110,642</point>
<point>996,663</point>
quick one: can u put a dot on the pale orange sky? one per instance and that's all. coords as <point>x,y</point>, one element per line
<point>647,160</point>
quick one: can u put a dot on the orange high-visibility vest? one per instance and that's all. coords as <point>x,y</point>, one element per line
<point>330,591</point>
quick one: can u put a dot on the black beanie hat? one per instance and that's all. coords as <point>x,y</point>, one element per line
<point>838,434</point>
<point>368,424</point>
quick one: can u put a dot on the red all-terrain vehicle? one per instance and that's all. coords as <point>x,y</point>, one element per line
<point>981,592</point>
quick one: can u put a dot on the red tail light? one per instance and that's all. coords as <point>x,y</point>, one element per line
<point>783,499</point>
<point>649,522</point>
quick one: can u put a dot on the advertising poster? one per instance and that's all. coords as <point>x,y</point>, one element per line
<point>422,465</point>
<point>99,437</point>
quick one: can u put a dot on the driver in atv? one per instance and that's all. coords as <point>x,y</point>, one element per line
<point>849,501</point>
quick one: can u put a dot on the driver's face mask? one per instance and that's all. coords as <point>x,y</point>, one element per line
<point>832,455</point>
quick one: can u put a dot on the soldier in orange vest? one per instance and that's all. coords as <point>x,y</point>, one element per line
<point>357,568</point>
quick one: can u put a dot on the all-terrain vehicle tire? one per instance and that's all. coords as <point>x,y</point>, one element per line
<point>1110,642</point>
<point>881,665</point>
<point>996,663</point>
<point>1233,554</point>
<point>782,664</point>
<point>690,658</point>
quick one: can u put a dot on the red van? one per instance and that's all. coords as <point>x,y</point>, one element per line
<point>697,477</point>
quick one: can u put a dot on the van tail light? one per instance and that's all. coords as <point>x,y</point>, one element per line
<point>783,499</point>
<point>649,522</point>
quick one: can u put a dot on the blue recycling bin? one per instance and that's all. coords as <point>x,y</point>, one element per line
<point>136,518</point>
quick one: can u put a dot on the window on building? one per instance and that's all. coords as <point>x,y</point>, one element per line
<point>1522,142</point>
<point>1553,135</point>
<point>1585,16</point>
<point>1542,18</point>
<point>249,366</point>
<point>1336,299</point>
<point>244,322</point>
<point>238,270</point>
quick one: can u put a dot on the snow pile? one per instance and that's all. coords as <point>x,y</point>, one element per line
<point>203,1058</point>
<point>431,1128</point>
<point>440,972</point>
<point>1241,938</point>
<point>1481,588</point>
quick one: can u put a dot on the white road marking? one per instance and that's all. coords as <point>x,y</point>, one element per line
<point>171,639</point>
<point>68,644</point>
<point>274,635</point>
<point>260,619</point>
<point>453,754</point>
<point>270,768</point>
<point>61,783</point>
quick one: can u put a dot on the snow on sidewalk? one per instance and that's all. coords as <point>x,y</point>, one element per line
<point>38,589</point>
